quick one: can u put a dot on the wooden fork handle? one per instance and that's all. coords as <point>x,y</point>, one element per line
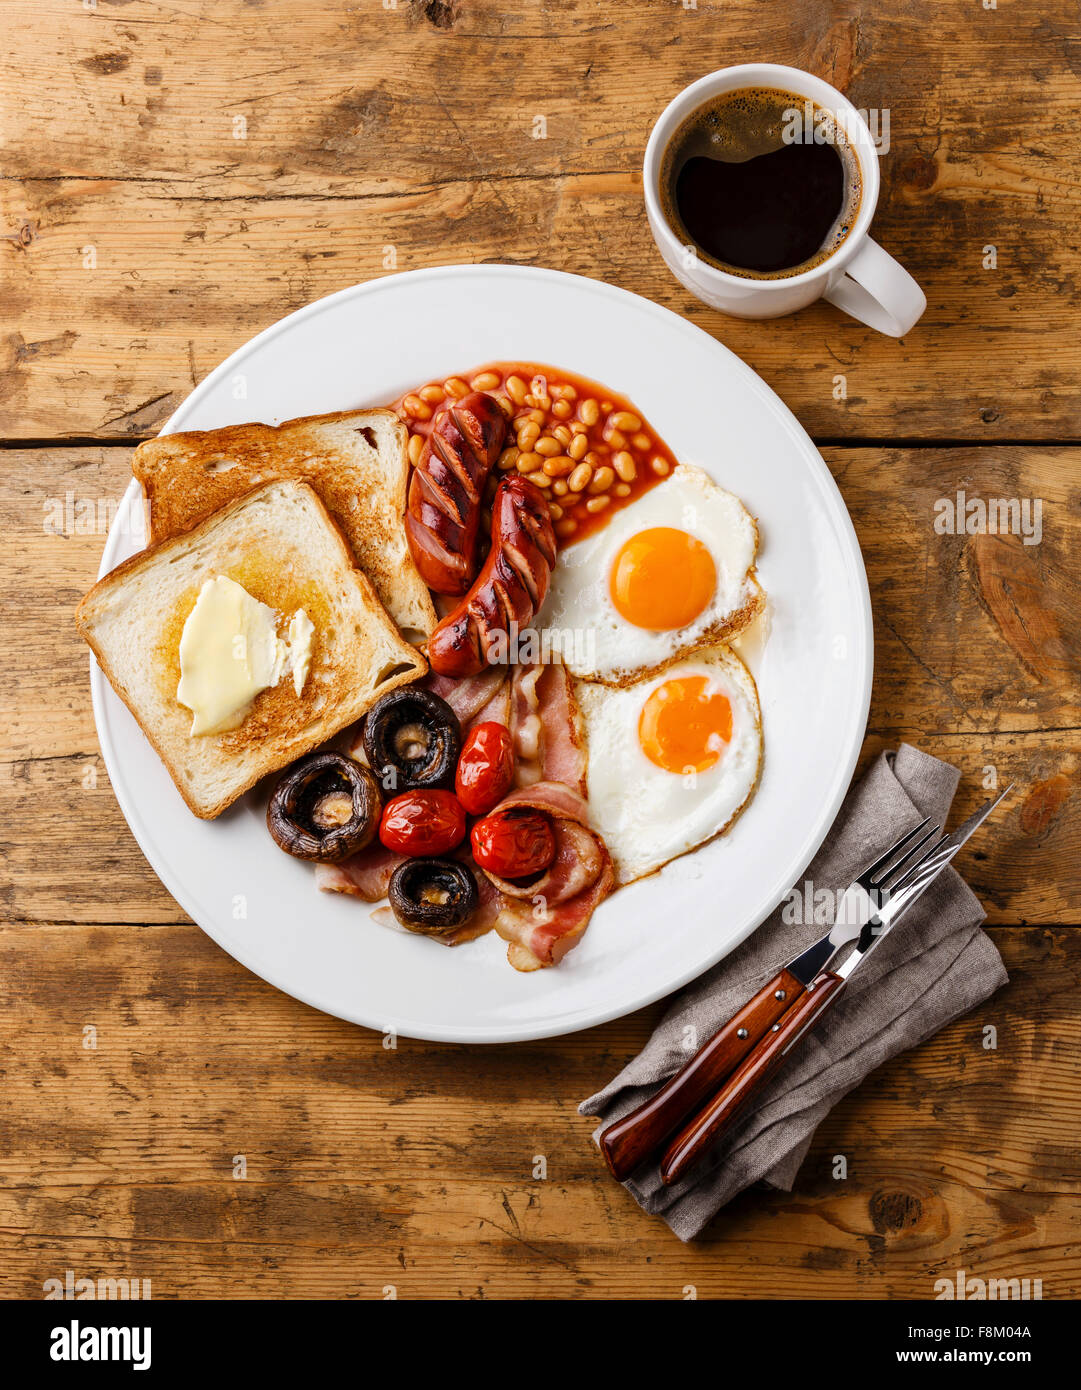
<point>749,1077</point>
<point>631,1140</point>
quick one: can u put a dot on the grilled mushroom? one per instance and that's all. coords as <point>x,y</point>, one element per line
<point>433,896</point>
<point>412,740</point>
<point>325,808</point>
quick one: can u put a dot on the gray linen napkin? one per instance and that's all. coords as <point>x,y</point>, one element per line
<point>935,966</point>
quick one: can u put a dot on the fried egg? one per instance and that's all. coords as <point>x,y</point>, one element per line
<point>673,759</point>
<point>669,573</point>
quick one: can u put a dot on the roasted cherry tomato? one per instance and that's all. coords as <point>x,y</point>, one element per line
<point>485,768</point>
<point>425,822</point>
<point>514,843</point>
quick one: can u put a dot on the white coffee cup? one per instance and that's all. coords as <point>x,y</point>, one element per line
<point>859,277</point>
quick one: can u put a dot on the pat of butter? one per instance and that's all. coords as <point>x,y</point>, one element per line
<point>230,651</point>
<point>301,631</point>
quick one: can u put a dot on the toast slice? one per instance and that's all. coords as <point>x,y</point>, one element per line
<point>282,545</point>
<point>355,460</point>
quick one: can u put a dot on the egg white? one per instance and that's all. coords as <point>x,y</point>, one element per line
<point>596,641</point>
<point>645,815</point>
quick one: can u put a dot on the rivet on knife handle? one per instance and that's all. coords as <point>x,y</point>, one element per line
<point>631,1140</point>
<point>752,1073</point>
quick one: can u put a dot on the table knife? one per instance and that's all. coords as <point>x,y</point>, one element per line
<point>742,1055</point>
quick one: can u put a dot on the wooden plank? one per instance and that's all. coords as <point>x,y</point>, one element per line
<point>120,137</point>
<point>416,1167</point>
<point>977,654</point>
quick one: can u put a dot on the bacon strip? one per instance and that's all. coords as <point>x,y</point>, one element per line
<point>467,697</point>
<point>364,875</point>
<point>542,921</point>
<point>497,710</point>
<point>546,725</point>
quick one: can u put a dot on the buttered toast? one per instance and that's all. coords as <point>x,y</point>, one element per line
<point>355,460</point>
<point>282,546</point>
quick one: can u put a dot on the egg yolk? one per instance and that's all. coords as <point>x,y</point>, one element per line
<point>662,579</point>
<point>683,726</point>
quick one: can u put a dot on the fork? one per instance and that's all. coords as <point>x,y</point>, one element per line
<point>742,1055</point>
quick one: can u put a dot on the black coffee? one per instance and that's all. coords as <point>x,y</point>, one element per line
<point>763,182</point>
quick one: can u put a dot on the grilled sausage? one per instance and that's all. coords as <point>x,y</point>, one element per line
<point>445,491</point>
<point>510,589</point>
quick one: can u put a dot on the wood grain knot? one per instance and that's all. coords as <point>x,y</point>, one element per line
<point>441,13</point>
<point>105,63</point>
<point>895,1211</point>
<point>23,237</point>
<point>917,171</point>
<point>1042,804</point>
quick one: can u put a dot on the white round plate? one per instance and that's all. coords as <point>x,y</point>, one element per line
<point>363,347</point>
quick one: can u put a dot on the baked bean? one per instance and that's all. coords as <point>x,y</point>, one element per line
<point>606,406</point>
<point>622,489</point>
<point>602,480</point>
<point>416,445</point>
<point>506,405</point>
<point>528,434</point>
<point>625,466</point>
<point>590,412</point>
<point>516,389</point>
<point>555,510</point>
<point>432,394</point>
<point>580,477</point>
<point>485,381</point>
<point>548,446</point>
<point>578,447</point>
<point>563,434</point>
<point>418,409</point>
<point>616,438</point>
<point>625,420</point>
<point>540,478</point>
<point>509,457</point>
<point>641,441</point>
<point>566,527</point>
<point>528,461</point>
<point>561,410</point>
<point>559,487</point>
<point>559,466</point>
<point>597,504</point>
<point>576,427</point>
<point>596,457</point>
<point>456,388</point>
<point>537,416</point>
<point>564,391</point>
<point>660,465</point>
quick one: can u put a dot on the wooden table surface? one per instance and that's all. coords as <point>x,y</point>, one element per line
<point>178,177</point>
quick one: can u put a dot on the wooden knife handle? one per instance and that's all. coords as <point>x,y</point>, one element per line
<point>631,1140</point>
<point>753,1072</point>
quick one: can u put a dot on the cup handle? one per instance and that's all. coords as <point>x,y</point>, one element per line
<point>878,291</point>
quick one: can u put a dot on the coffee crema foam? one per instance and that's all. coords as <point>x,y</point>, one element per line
<point>738,126</point>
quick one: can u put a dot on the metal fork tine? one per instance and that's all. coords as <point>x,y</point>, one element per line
<point>910,875</point>
<point>896,871</point>
<point>868,875</point>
